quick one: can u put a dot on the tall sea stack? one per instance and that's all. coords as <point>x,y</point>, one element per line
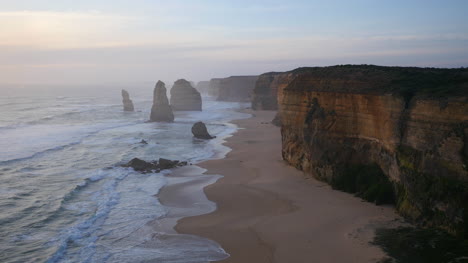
<point>184,97</point>
<point>161,110</point>
<point>127,102</point>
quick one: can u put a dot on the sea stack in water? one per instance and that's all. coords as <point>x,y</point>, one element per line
<point>184,97</point>
<point>161,110</point>
<point>127,102</point>
<point>199,131</point>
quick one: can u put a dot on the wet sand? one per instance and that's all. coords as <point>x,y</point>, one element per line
<point>268,211</point>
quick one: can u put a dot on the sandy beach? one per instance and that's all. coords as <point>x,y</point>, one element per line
<point>268,211</point>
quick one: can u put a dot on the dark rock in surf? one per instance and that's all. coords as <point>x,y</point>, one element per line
<point>167,164</point>
<point>154,166</point>
<point>161,111</point>
<point>127,102</point>
<point>199,131</point>
<point>141,166</point>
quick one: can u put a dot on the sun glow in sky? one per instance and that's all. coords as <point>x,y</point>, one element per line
<point>123,41</point>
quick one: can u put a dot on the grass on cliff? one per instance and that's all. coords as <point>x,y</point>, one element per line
<point>404,81</point>
<point>367,182</point>
<point>416,245</point>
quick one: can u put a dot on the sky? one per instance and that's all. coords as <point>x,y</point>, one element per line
<point>136,41</point>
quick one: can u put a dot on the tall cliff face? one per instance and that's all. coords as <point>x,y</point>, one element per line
<point>184,97</point>
<point>265,92</point>
<point>213,90</point>
<point>412,124</point>
<point>236,88</point>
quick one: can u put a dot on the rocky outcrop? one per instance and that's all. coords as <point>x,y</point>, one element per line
<point>199,131</point>
<point>354,125</point>
<point>236,88</point>
<point>127,102</point>
<point>161,111</point>
<point>153,166</point>
<point>184,97</point>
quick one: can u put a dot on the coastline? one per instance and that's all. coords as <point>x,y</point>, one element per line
<point>267,211</point>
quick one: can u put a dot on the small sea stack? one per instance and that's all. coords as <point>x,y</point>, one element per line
<point>127,102</point>
<point>199,131</point>
<point>161,111</point>
<point>184,97</point>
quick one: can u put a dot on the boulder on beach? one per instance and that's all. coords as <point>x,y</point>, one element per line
<point>184,97</point>
<point>127,102</point>
<point>161,111</point>
<point>199,131</point>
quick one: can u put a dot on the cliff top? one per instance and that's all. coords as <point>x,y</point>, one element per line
<point>406,81</point>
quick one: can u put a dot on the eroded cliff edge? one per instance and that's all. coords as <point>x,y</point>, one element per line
<point>407,124</point>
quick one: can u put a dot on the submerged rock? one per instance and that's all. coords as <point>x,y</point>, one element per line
<point>127,102</point>
<point>153,166</point>
<point>199,131</point>
<point>143,142</point>
<point>184,97</point>
<point>161,111</point>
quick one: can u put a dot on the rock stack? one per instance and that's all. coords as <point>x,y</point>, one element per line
<point>127,102</point>
<point>184,97</point>
<point>161,110</point>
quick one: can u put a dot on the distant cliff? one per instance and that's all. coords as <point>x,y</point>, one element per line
<point>363,128</point>
<point>236,88</point>
<point>203,87</point>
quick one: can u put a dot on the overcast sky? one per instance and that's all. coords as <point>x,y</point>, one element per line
<point>134,41</point>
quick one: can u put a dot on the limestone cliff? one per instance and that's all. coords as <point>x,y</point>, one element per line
<point>127,102</point>
<point>236,88</point>
<point>213,90</point>
<point>161,110</point>
<point>410,125</point>
<point>184,97</point>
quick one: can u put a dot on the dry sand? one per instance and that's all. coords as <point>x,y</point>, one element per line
<point>268,211</point>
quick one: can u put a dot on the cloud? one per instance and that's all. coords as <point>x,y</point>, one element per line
<point>44,29</point>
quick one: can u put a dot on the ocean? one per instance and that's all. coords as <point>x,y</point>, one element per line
<point>64,196</point>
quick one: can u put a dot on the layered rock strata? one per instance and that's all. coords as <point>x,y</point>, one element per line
<point>184,97</point>
<point>409,124</point>
<point>161,111</point>
<point>127,102</point>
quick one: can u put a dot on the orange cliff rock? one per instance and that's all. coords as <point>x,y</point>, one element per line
<point>348,124</point>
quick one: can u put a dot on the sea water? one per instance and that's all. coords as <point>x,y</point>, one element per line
<point>63,195</point>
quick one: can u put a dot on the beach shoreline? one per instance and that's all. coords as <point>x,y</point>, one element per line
<point>267,211</point>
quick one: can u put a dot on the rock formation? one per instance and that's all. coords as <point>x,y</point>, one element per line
<point>236,88</point>
<point>127,102</point>
<point>213,90</point>
<point>410,125</point>
<point>153,166</point>
<point>265,92</point>
<point>161,110</point>
<point>199,131</point>
<point>184,97</point>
